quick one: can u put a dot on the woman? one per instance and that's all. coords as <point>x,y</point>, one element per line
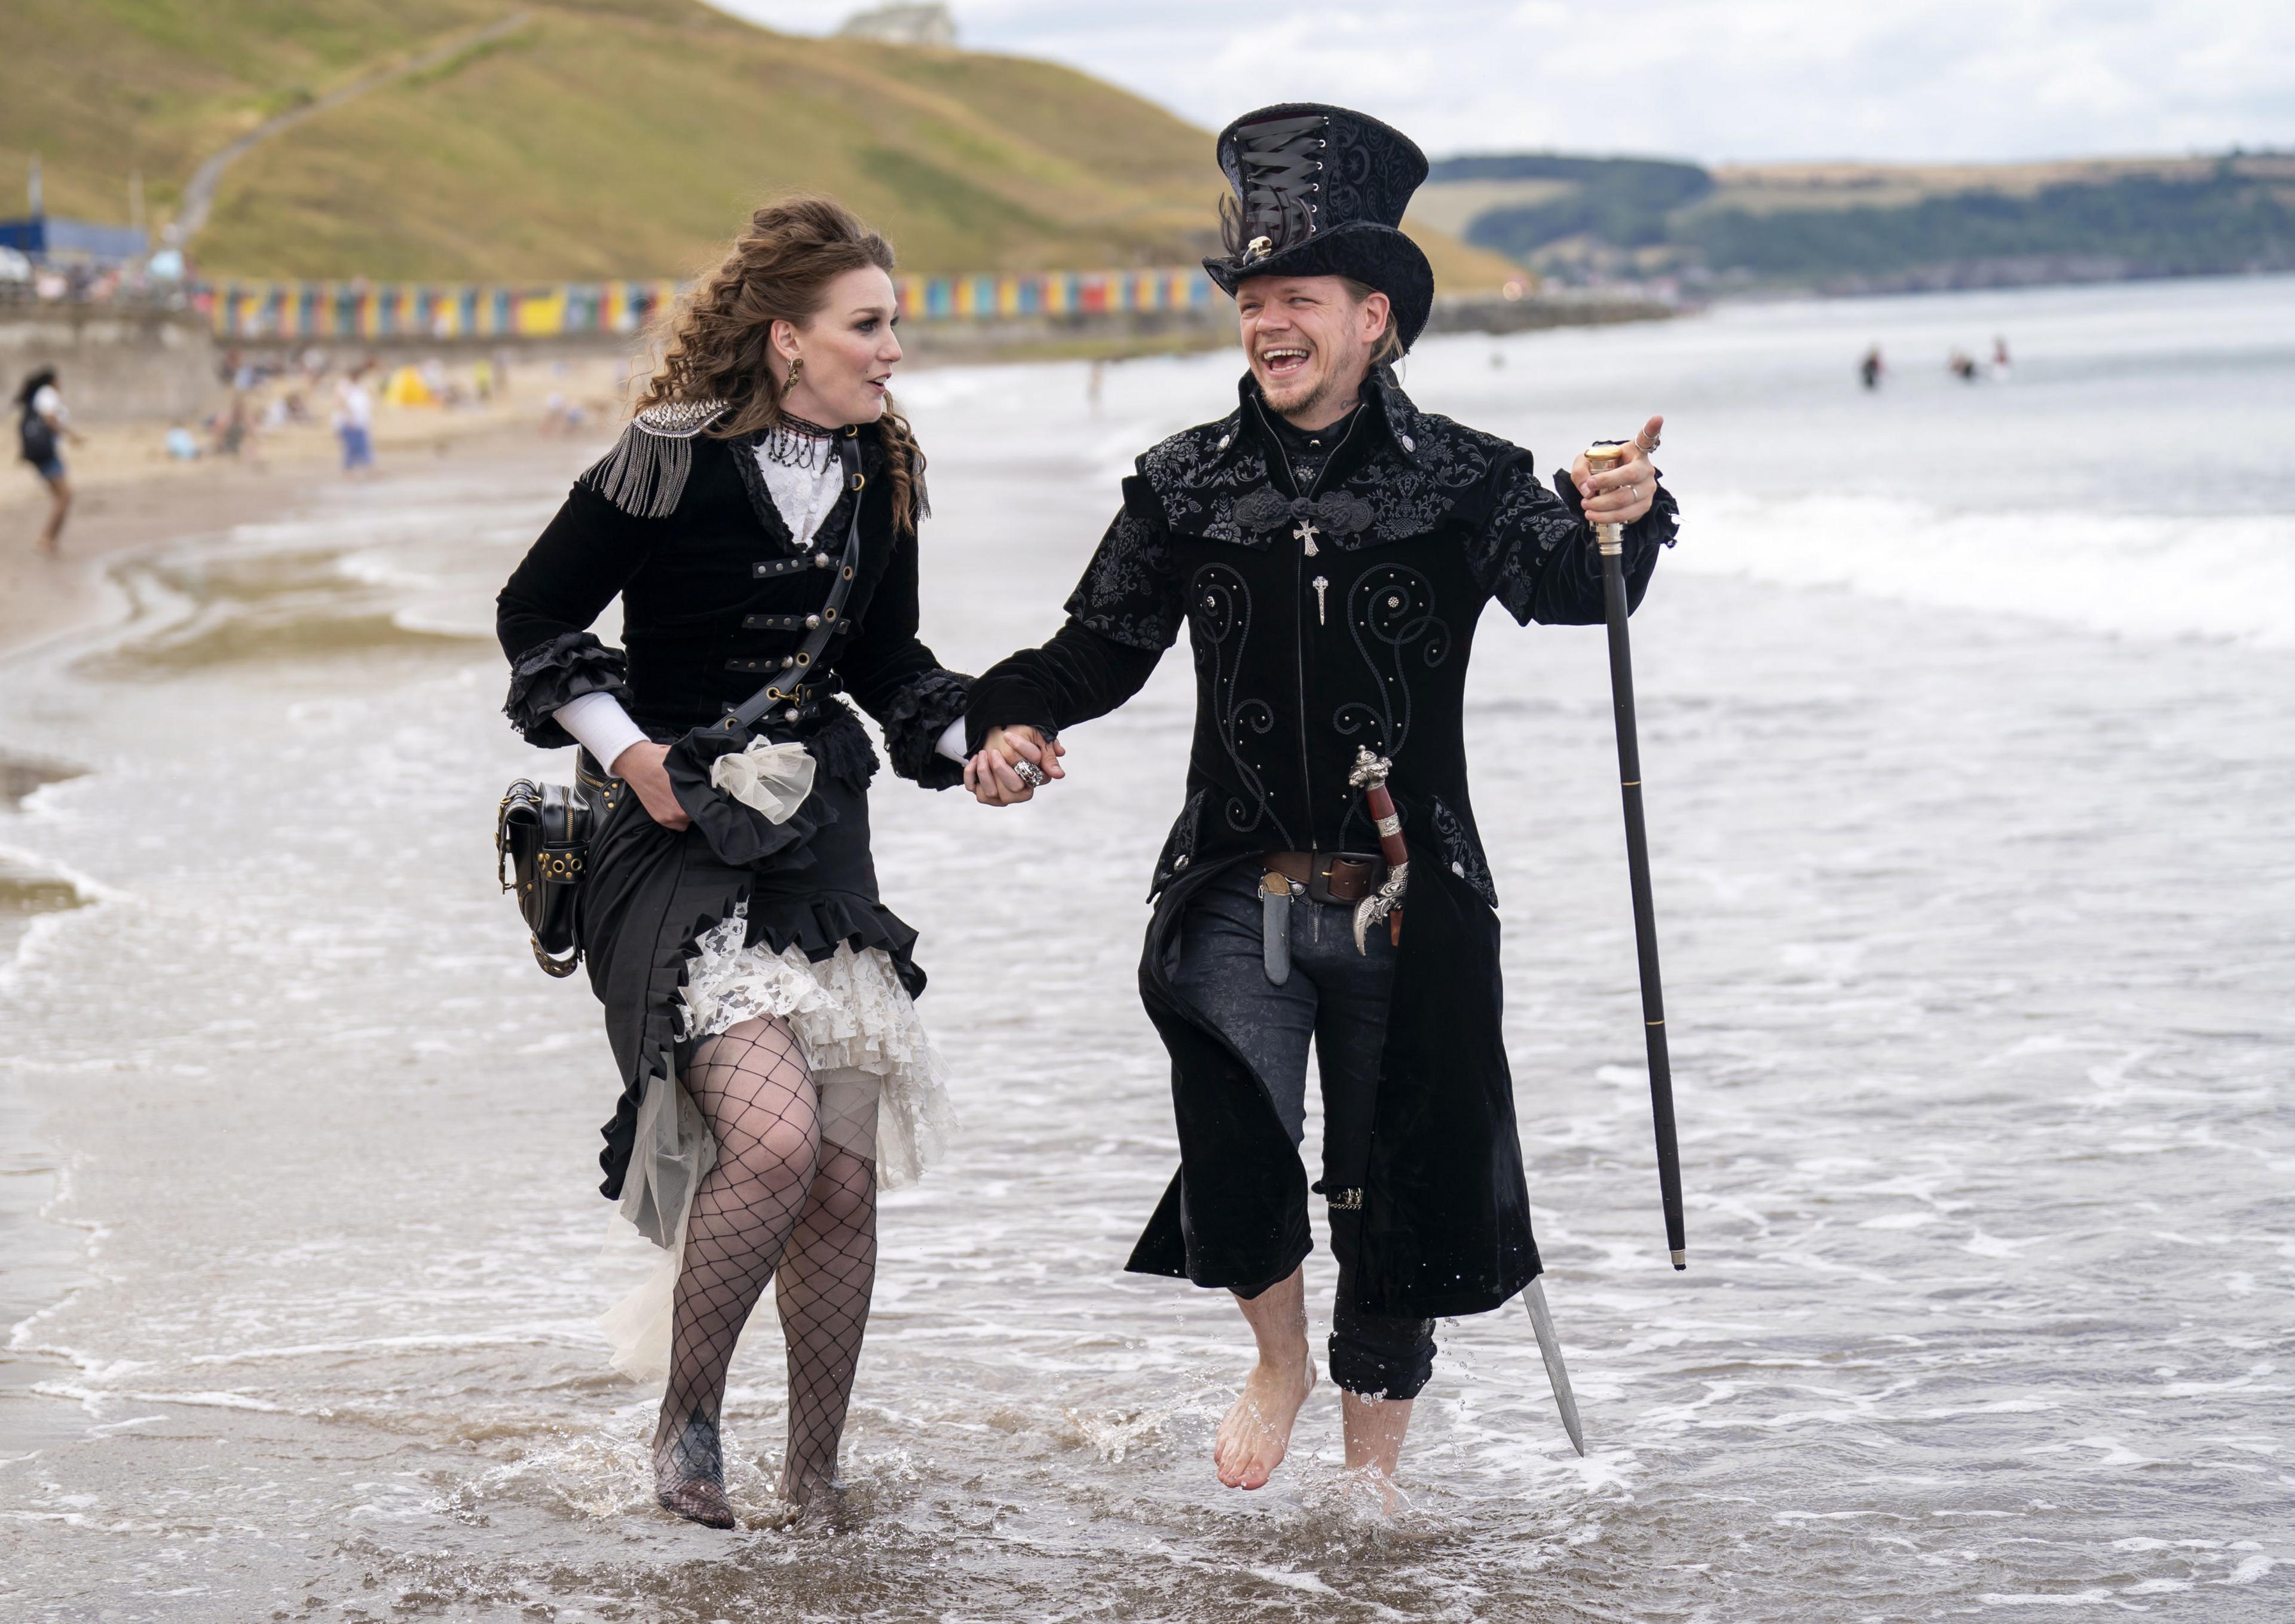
<point>757,993</point>
<point>42,427</point>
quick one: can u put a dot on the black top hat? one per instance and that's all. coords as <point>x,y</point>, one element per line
<point>1319,191</point>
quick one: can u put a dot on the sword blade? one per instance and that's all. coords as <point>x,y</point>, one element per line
<point>1549,1348</point>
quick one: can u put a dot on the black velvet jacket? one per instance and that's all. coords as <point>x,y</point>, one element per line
<point>1324,619</point>
<point>714,594</point>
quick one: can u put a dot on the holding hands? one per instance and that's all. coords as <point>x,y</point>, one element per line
<point>1012,765</point>
<point>1626,492</point>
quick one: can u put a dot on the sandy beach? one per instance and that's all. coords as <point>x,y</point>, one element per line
<point>130,494</point>
<point>114,518</point>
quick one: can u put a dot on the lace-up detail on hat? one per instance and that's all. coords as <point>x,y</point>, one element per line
<point>1282,167</point>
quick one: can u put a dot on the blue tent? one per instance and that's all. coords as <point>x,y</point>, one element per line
<point>54,237</point>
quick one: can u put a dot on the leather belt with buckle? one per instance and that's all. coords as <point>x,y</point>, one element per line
<point>1332,879</point>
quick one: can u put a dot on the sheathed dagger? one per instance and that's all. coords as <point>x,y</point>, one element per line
<point>1370,776</point>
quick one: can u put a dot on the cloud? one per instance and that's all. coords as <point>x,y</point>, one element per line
<point>1752,79</point>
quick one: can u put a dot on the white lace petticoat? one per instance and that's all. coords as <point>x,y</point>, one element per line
<point>850,1013</point>
<point>881,1083</point>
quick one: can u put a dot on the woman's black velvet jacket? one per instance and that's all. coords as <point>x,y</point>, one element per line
<point>714,596</point>
<point>1301,658</point>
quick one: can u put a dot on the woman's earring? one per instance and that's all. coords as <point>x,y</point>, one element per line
<point>797,371</point>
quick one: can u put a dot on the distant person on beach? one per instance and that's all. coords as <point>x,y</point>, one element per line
<point>42,425</point>
<point>1329,547</point>
<point>355,420</point>
<point>759,521</point>
<point>1962,365</point>
<point>236,432</point>
<point>1870,370</point>
<point>2001,366</point>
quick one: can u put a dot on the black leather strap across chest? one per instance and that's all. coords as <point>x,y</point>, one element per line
<point>792,687</point>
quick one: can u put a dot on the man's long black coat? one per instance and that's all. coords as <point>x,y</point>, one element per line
<point>1326,615</point>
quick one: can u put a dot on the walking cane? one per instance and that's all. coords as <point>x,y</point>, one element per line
<point>1610,541</point>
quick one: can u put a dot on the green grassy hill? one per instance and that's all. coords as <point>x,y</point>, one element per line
<point>600,137</point>
<point>1870,225</point>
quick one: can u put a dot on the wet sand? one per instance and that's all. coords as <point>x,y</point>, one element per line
<point>131,506</point>
<point>42,596</point>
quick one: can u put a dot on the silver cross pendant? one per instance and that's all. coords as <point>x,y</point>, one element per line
<point>1305,534</point>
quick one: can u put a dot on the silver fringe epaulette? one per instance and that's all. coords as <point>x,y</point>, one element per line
<point>644,475</point>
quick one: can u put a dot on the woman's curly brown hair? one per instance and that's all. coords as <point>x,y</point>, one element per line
<point>720,335</point>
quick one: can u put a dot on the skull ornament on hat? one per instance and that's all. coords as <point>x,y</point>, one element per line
<point>1319,191</point>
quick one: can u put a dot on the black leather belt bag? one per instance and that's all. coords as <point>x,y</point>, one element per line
<point>542,846</point>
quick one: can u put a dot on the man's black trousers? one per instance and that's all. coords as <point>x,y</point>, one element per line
<point>1338,997</point>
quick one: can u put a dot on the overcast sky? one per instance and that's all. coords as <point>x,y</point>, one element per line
<point>1710,79</point>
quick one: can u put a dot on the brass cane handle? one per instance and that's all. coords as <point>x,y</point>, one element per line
<point>1602,457</point>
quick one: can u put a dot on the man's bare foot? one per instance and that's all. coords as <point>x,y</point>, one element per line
<point>1256,1431</point>
<point>1371,1490</point>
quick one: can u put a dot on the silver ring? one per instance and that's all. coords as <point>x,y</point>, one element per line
<point>1029,773</point>
<point>1652,446</point>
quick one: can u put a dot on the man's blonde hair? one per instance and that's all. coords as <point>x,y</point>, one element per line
<point>1388,349</point>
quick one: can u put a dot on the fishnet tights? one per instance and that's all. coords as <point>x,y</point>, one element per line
<point>777,1199</point>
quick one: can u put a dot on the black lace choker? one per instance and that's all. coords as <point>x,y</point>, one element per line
<point>794,443</point>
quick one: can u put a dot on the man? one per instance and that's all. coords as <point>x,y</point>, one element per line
<point>1330,548</point>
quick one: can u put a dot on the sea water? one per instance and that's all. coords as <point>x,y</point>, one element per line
<point>1966,724</point>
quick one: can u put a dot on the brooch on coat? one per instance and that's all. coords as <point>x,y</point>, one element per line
<point>1337,514</point>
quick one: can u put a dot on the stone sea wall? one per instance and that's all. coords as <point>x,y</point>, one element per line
<point>117,363</point>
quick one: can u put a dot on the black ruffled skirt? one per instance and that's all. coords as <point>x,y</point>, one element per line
<point>652,893</point>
